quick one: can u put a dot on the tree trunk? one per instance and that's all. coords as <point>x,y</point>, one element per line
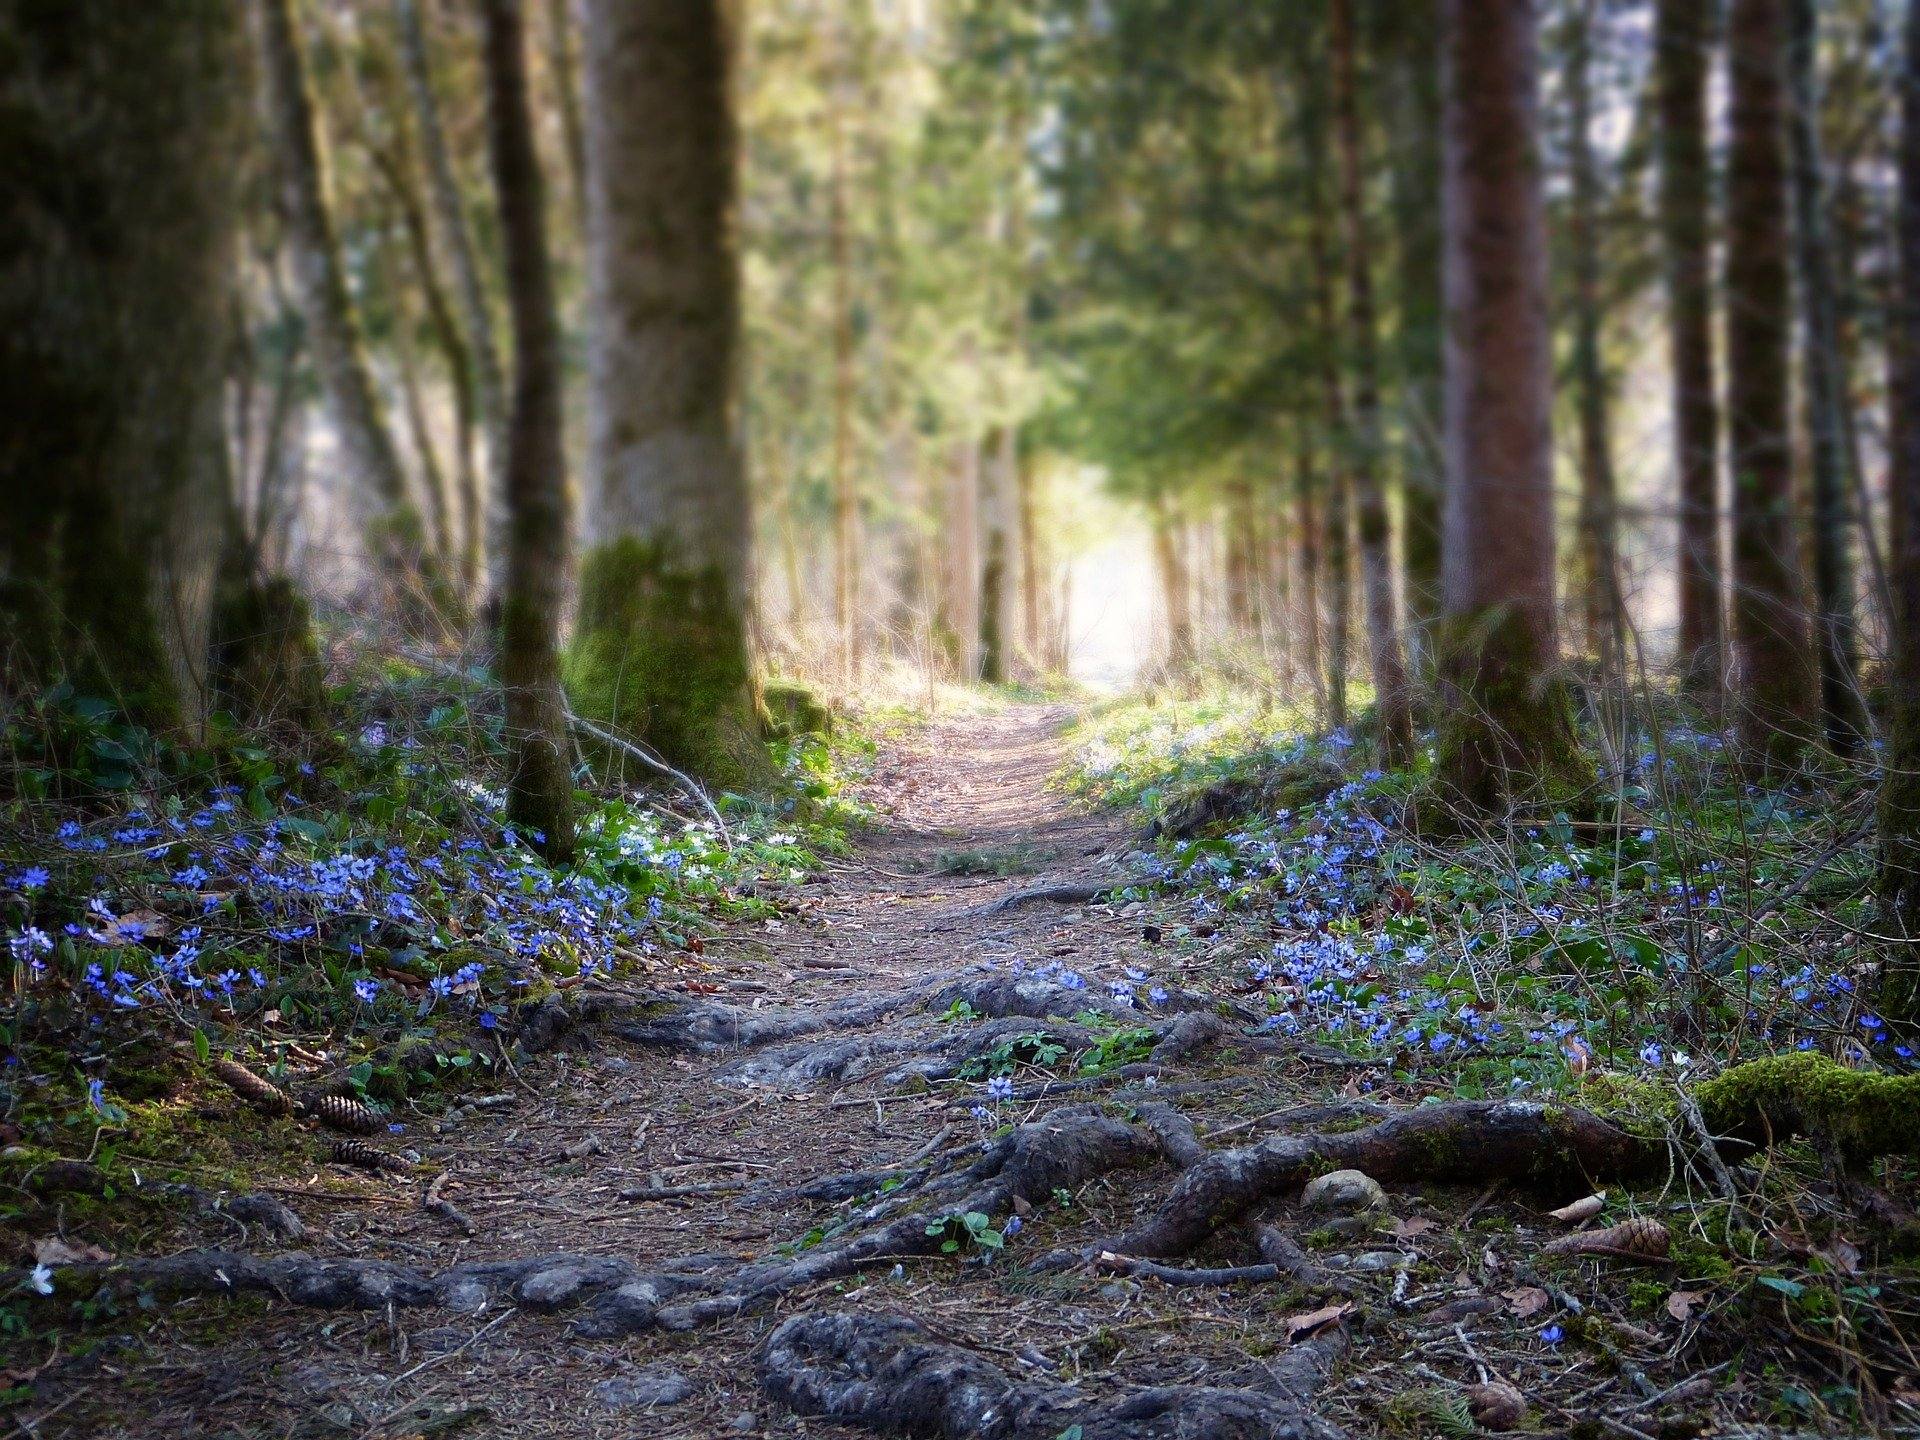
<point>540,786</point>
<point>116,270</point>
<point>846,496</point>
<point>465,557</point>
<point>1602,604</point>
<point>996,580</point>
<point>1414,113</point>
<point>1336,553</point>
<point>1682,30</point>
<point>1769,625</point>
<point>563,64</point>
<point>1393,703</point>
<point>1173,584</point>
<point>1900,791</point>
<point>1507,729</point>
<point>1828,400</point>
<point>1032,588</point>
<point>661,648</point>
<point>320,285</point>
<point>1242,556</point>
<point>1307,593</point>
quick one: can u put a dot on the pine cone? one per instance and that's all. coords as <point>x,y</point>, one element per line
<point>337,1112</point>
<point>1496,1405</point>
<point>1643,1238</point>
<point>262,1095</point>
<point>358,1152</point>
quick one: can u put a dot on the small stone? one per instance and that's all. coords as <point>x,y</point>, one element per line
<point>651,1388</point>
<point>1374,1261</point>
<point>1344,1191</point>
<point>742,1423</point>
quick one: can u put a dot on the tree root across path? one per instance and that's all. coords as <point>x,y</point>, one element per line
<point>847,1367</point>
<point>888,1373</point>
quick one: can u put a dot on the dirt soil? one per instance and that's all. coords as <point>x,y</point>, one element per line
<point>970,819</point>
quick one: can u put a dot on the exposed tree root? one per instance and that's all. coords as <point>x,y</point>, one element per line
<point>1072,893</point>
<point>941,1053</point>
<point>1063,1150</point>
<point>888,1373</point>
<point>1554,1147</point>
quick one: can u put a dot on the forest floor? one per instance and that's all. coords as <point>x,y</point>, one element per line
<point>645,1154</point>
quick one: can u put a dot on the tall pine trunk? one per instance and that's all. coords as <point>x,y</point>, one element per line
<point>320,286</point>
<point>1827,391</point>
<point>116,273</point>
<point>1900,791</point>
<point>540,787</point>
<point>1769,625</point>
<point>996,554</point>
<point>1414,113</point>
<point>1602,604</point>
<point>1682,33</point>
<point>1307,605</point>
<point>1336,554</point>
<point>661,648</point>
<point>1506,731</point>
<point>1392,699</point>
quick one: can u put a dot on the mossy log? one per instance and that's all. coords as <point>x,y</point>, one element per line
<point>1860,1114</point>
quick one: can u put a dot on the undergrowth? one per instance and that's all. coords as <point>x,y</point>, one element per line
<point>346,904</point>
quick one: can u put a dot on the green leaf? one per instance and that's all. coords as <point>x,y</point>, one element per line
<point>201,1050</point>
<point>1792,1289</point>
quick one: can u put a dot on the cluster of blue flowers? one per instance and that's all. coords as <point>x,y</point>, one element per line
<point>200,908</point>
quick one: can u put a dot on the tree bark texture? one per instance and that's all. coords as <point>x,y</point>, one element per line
<point>661,648</point>
<point>1900,791</point>
<point>1682,34</point>
<point>1827,389</point>
<point>1393,701</point>
<point>540,787</point>
<point>1507,729</point>
<point>1774,658</point>
<point>116,272</point>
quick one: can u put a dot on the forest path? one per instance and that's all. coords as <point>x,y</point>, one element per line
<point>960,798</point>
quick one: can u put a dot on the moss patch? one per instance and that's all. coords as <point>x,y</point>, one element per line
<point>661,654</point>
<point>1859,1113</point>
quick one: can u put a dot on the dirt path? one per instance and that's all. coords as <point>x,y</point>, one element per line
<point>967,797</point>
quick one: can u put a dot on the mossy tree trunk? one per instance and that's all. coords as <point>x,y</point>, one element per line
<point>1506,731</point>
<point>1775,659</point>
<point>540,789</point>
<point>1682,35</point>
<point>1393,700</point>
<point>116,222</point>
<point>661,647</point>
<point>1900,790</point>
<point>326,304</point>
<point>1827,388</point>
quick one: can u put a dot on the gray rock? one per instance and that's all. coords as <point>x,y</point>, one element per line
<point>743,1423</point>
<point>1374,1261</point>
<point>653,1388</point>
<point>1344,1191</point>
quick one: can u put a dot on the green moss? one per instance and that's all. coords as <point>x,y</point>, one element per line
<point>660,653</point>
<point>1859,1113</point>
<point>1507,734</point>
<point>266,663</point>
<point>792,710</point>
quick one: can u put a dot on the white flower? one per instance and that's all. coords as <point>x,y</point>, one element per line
<point>41,1278</point>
